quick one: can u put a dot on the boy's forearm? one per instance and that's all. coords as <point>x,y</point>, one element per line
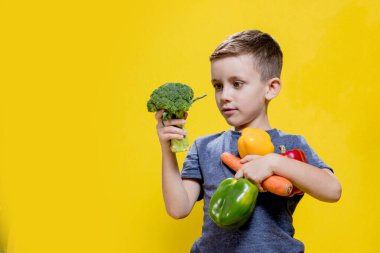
<point>319,183</point>
<point>175,195</point>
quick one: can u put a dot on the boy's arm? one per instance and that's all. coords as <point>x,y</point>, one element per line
<point>179,194</point>
<point>319,183</point>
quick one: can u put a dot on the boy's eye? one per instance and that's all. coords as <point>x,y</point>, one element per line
<point>237,84</point>
<point>218,86</point>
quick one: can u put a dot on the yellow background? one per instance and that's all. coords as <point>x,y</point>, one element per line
<point>80,160</point>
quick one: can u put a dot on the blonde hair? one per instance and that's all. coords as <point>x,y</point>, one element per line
<point>265,50</point>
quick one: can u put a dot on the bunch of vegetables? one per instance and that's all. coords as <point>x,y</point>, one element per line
<point>257,142</point>
<point>175,99</point>
<point>234,200</point>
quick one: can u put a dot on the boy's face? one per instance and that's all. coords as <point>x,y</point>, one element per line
<point>239,91</point>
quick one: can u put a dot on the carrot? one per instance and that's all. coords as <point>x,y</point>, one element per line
<point>274,184</point>
<point>232,161</point>
<point>278,185</point>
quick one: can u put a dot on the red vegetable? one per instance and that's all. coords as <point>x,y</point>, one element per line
<point>297,154</point>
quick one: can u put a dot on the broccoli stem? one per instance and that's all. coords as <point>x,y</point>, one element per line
<point>183,144</point>
<point>195,99</point>
<point>178,115</point>
<point>179,145</point>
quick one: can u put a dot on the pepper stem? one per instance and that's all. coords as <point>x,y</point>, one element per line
<point>282,149</point>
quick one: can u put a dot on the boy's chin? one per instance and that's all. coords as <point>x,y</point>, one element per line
<point>234,126</point>
<point>237,128</point>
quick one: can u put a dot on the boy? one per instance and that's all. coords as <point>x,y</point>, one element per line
<point>245,71</point>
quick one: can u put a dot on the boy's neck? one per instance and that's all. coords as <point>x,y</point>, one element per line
<point>260,123</point>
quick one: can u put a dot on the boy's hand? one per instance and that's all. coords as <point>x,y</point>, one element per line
<point>167,130</point>
<point>256,169</point>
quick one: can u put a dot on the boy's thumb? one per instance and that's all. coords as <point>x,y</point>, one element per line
<point>239,174</point>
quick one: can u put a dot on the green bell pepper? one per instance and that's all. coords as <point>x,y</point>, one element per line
<point>233,202</point>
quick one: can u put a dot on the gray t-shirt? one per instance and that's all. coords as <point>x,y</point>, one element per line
<point>270,228</point>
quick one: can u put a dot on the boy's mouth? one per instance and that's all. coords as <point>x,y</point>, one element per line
<point>229,111</point>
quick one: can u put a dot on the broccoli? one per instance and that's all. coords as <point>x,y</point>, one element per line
<point>175,99</point>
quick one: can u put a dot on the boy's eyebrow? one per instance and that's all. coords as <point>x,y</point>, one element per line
<point>214,80</point>
<point>235,77</point>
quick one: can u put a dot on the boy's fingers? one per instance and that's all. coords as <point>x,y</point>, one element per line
<point>174,122</point>
<point>239,174</point>
<point>173,129</point>
<point>158,114</point>
<point>249,158</point>
<point>174,136</point>
<point>243,173</point>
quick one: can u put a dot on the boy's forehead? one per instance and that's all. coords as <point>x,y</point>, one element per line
<point>233,64</point>
<point>241,59</point>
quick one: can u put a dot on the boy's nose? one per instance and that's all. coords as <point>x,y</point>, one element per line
<point>226,94</point>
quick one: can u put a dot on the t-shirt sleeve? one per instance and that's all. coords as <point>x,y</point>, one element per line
<point>191,167</point>
<point>311,156</point>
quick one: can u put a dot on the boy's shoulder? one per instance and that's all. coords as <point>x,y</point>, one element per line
<point>281,133</point>
<point>280,138</point>
<point>217,139</point>
<point>210,137</point>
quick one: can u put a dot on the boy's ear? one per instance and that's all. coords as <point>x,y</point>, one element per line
<point>273,88</point>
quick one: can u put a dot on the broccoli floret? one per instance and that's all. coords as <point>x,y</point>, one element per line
<point>175,99</point>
